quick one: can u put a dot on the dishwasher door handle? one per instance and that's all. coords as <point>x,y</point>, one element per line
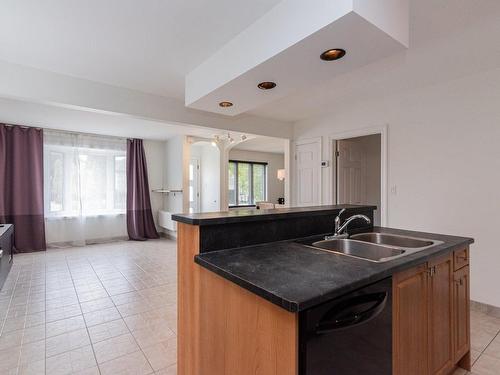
<point>330,324</point>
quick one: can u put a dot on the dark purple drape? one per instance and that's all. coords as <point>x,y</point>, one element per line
<point>140,224</point>
<point>21,185</point>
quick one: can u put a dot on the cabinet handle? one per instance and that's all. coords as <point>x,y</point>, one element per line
<point>432,271</point>
<point>463,257</point>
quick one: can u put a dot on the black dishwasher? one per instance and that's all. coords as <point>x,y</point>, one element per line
<point>349,335</point>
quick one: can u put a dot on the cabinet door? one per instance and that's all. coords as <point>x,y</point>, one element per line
<point>410,322</point>
<point>441,315</point>
<point>461,313</point>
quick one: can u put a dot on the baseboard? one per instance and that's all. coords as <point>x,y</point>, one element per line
<point>485,308</point>
<point>92,241</point>
<point>171,235</point>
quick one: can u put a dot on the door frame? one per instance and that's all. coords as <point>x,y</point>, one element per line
<point>332,147</point>
<point>198,182</point>
<point>318,141</point>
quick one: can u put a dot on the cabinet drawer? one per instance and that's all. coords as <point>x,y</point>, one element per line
<point>460,258</point>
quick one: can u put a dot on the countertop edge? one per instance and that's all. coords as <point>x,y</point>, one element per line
<point>263,215</point>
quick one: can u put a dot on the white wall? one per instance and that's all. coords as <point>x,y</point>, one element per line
<point>444,163</point>
<point>275,187</point>
<point>209,158</point>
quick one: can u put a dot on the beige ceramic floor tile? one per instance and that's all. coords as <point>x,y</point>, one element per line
<point>90,371</point>
<point>32,368</point>
<point>63,312</point>
<point>115,347</point>
<point>101,316</point>
<point>66,342</point>
<point>132,364</point>
<point>163,354</point>
<point>33,334</point>
<point>9,359</point>
<point>96,305</point>
<point>474,355</point>
<point>65,325</point>
<point>11,339</point>
<point>107,330</point>
<point>486,365</point>
<point>152,335</point>
<point>481,338</point>
<point>493,348</point>
<point>32,352</point>
<point>76,360</point>
<point>171,370</point>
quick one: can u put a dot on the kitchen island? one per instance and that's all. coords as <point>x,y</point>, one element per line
<point>250,285</point>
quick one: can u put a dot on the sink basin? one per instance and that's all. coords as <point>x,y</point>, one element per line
<point>373,246</point>
<point>392,240</point>
<point>358,249</point>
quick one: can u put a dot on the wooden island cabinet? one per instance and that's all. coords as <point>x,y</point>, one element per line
<point>431,317</point>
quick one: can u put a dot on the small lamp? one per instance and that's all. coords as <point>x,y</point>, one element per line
<point>281,174</point>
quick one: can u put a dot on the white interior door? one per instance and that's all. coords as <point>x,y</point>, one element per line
<point>308,169</point>
<point>194,185</point>
<point>351,169</point>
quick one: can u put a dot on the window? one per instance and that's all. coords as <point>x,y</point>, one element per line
<point>247,183</point>
<point>85,180</point>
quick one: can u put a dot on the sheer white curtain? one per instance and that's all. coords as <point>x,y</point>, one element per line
<point>85,187</point>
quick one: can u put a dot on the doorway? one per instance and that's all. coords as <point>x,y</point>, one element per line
<point>194,185</point>
<point>358,173</point>
<point>204,177</point>
<point>308,172</point>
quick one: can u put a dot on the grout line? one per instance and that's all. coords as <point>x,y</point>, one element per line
<point>486,347</point>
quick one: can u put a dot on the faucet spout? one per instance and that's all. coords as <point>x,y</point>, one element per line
<point>340,230</point>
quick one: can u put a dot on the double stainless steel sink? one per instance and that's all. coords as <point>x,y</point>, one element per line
<point>374,246</point>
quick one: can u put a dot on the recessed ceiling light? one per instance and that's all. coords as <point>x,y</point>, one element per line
<point>225,104</point>
<point>267,85</point>
<point>332,54</point>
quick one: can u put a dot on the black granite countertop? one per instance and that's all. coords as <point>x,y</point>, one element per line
<point>297,277</point>
<point>252,214</point>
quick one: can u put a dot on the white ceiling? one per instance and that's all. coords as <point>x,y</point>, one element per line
<point>448,39</point>
<point>284,46</point>
<point>143,45</point>
<point>150,45</point>
<point>263,144</point>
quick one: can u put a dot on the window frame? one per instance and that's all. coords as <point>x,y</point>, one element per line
<point>251,186</point>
